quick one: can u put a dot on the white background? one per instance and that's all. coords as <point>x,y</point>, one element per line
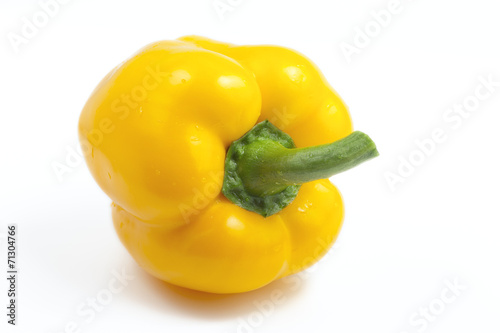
<point>398,248</point>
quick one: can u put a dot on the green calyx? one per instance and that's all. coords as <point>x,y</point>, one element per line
<point>264,170</point>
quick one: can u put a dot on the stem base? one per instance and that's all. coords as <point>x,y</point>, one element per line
<point>233,187</point>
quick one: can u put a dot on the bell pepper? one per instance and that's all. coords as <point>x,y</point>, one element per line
<point>216,158</point>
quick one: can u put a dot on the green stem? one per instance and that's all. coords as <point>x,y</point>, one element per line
<point>268,167</point>
<point>264,170</point>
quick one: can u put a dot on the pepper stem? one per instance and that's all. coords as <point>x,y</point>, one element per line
<point>264,170</point>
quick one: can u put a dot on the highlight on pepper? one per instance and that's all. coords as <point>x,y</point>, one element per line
<point>217,158</point>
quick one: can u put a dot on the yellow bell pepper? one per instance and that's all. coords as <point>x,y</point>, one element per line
<point>202,198</point>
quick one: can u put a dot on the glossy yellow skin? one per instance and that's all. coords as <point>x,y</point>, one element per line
<point>155,132</point>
